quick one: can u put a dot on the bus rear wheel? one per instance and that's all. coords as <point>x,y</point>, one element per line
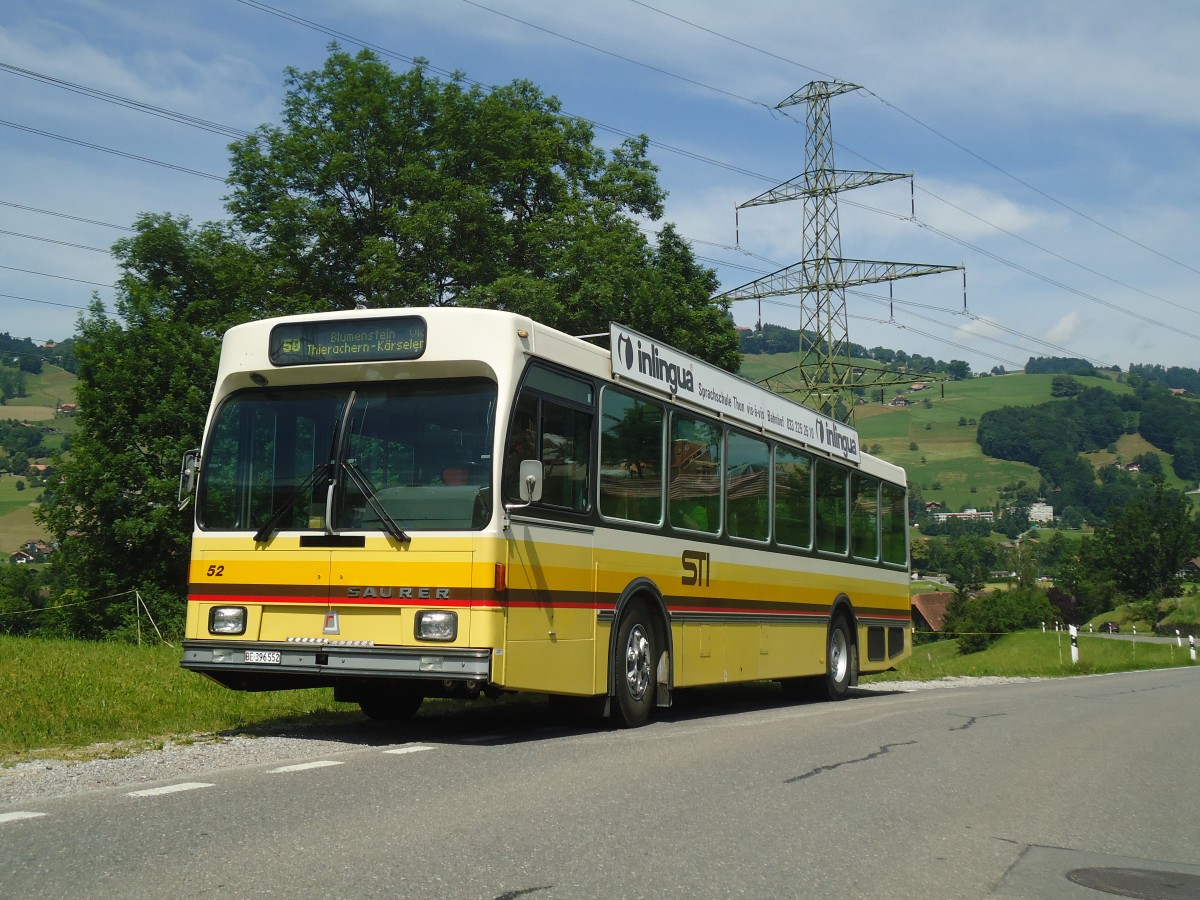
<point>636,671</point>
<point>840,660</point>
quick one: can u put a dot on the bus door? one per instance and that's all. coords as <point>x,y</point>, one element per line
<point>551,579</point>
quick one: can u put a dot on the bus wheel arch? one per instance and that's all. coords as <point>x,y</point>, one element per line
<point>640,654</point>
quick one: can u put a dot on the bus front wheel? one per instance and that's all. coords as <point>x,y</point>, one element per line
<point>391,703</point>
<point>635,676</point>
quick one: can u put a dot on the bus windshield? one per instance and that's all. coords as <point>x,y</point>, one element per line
<point>368,457</point>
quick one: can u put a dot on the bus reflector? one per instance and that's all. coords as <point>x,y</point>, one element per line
<point>501,579</point>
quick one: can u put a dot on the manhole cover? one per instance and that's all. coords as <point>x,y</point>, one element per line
<point>1141,884</point>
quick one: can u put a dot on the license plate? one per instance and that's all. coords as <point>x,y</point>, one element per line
<point>271,657</point>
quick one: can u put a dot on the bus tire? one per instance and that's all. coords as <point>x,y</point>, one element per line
<point>636,674</point>
<point>840,660</point>
<point>391,703</point>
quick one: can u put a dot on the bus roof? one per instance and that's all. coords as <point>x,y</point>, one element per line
<point>280,349</point>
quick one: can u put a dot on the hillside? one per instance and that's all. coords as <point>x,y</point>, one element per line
<point>942,422</point>
<point>44,394</point>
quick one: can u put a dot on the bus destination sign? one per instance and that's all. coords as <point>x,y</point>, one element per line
<point>347,340</point>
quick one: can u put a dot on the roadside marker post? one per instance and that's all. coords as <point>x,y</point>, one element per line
<point>1074,644</point>
<point>1192,642</point>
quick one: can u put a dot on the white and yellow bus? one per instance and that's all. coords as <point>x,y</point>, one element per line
<point>401,504</point>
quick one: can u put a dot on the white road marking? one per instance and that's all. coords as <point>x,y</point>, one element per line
<point>409,748</point>
<point>301,767</point>
<point>170,789</point>
<point>17,816</point>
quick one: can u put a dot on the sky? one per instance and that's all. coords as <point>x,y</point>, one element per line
<point>1052,144</point>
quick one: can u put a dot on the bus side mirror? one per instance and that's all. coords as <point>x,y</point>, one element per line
<point>187,477</point>
<point>530,485</point>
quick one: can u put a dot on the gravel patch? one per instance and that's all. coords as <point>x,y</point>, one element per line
<point>134,765</point>
<point>949,681</point>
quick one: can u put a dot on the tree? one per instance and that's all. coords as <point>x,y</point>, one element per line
<point>980,621</point>
<point>145,380</point>
<point>395,189</point>
<point>22,607</point>
<point>971,560</point>
<point>398,189</point>
<point>1064,386</point>
<point>1147,542</point>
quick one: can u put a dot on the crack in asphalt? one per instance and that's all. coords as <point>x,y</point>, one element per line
<point>886,748</point>
<point>971,720</point>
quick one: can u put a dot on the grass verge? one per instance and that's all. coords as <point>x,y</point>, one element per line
<point>68,695</point>
<point>1037,654</point>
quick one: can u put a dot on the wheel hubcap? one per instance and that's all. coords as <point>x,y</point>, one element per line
<point>839,656</point>
<point>637,662</point>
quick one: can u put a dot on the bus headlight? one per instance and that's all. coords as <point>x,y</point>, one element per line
<point>227,620</point>
<point>436,625</point>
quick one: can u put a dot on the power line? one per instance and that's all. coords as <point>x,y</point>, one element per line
<point>46,240</point>
<point>459,76</point>
<point>43,302</point>
<point>62,277</point>
<point>159,111</point>
<point>937,133</point>
<point>90,146</point>
<point>962,242</point>
<point>47,212</point>
<point>627,59</point>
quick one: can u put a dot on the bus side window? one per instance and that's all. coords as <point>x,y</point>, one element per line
<point>557,435</point>
<point>747,486</point>
<point>695,486</point>
<point>566,455</point>
<point>793,498</point>
<point>864,517</point>
<point>894,517</point>
<point>631,456</point>
<point>830,507</point>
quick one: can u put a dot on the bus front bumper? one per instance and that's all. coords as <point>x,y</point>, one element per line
<point>260,666</point>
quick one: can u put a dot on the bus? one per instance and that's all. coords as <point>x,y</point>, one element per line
<point>411,503</point>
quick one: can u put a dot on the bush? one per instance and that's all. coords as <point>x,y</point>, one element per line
<point>979,621</point>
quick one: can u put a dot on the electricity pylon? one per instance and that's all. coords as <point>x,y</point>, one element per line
<point>822,275</point>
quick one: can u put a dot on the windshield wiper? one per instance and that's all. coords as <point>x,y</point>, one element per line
<point>363,483</point>
<point>281,511</point>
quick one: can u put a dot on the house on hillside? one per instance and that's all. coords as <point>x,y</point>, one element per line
<point>929,610</point>
<point>37,550</point>
<point>1190,569</point>
<point>19,558</point>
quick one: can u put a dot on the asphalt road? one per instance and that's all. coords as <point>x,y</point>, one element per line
<point>1029,790</point>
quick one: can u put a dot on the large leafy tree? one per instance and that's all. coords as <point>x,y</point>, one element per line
<point>398,189</point>
<point>145,381</point>
<point>1147,542</point>
<point>395,189</point>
